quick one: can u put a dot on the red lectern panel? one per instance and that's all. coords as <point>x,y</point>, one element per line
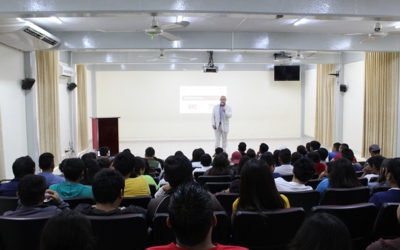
<point>105,133</point>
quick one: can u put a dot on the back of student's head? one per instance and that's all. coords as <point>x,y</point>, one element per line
<point>197,153</point>
<point>344,146</point>
<point>329,166</point>
<point>139,166</point>
<point>92,167</point>
<point>104,162</point>
<point>205,160</point>
<point>323,153</point>
<point>178,170</point>
<point>61,165</point>
<point>150,152</point>
<point>124,163</point>
<point>234,187</point>
<point>218,150</point>
<point>107,185</point>
<point>225,155</point>
<point>242,147</point>
<point>315,145</point>
<point>31,189</point>
<point>393,168</point>
<point>276,156</point>
<point>190,213</point>
<point>343,175</point>
<point>104,151</point>
<point>376,161</point>
<point>304,169</point>
<point>336,146</point>
<point>87,156</point>
<point>251,153</point>
<point>66,231</point>
<point>73,168</point>
<point>284,155</point>
<point>178,153</point>
<point>263,148</point>
<point>219,166</point>
<point>23,166</point>
<point>242,161</point>
<point>46,161</point>
<point>302,150</point>
<point>308,146</point>
<point>268,158</point>
<point>295,156</point>
<point>322,231</point>
<point>348,154</point>
<point>314,156</point>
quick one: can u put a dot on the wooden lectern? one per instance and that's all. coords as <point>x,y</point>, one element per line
<point>105,133</point>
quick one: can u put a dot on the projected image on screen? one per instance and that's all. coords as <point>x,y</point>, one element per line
<point>200,99</point>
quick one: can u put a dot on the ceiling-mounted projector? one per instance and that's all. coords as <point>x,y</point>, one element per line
<point>208,69</point>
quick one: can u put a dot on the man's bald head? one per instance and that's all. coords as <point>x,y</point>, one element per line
<point>222,99</point>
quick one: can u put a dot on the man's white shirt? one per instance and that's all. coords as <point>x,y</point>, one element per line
<point>284,169</point>
<point>290,186</point>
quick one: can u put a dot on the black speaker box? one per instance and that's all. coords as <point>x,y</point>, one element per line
<point>71,86</point>
<point>343,88</point>
<point>28,83</point>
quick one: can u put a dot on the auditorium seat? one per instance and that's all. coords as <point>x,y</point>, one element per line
<point>387,225</point>
<point>373,179</point>
<point>153,190</point>
<point>363,181</point>
<point>156,180</point>
<point>227,200</point>
<point>215,187</point>
<point>316,176</point>
<point>237,177</point>
<point>8,204</point>
<point>274,231</point>
<point>141,201</point>
<point>119,232</point>
<point>304,199</point>
<point>359,173</point>
<point>75,201</point>
<point>198,174</point>
<point>359,220</point>
<point>214,178</point>
<point>158,170</point>
<point>21,232</point>
<point>345,196</point>
<point>5,180</point>
<point>313,183</point>
<point>378,189</point>
<point>287,177</point>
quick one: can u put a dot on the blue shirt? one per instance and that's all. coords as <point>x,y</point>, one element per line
<point>52,178</point>
<point>322,186</point>
<point>10,188</point>
<point>357,168</point>
<point>392,195</point>
<point>332,155</point>
<point>277,175</point>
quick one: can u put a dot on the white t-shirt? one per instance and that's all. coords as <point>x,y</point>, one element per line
<point>290,186</point>
<point>202,169</point>
<point>284,169</point>
<point>369,176</point>
<point>196,164</point>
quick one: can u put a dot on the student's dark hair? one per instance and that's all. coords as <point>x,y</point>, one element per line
<point>225,155</point>
<point>61,165</point>
<point>92,167</point>
<point>302,150</point>
<point>67,230</point>
<point>315,145</point>
<point>322,231</point>
<point>197,153</point>
<point>73,168</point>
<point>104,162</point>
<point>304,169</point>
<point>219,150</point>
<point>31,189</point>
<point>178,153</point>
<point>205,160</point>
<point>268,158</point>
<point>234,187</point>
<point>343,175</point>
<point>242,147</point>
<point>308,145</point>
<point>23,166</point>
<point>382,174</point>
<point>190,213</point>
<point>393,168</point>
<point>276,156</point>
<point>124,163</point>
<point>344,146</point>
<point>104,151</point>
<point>148,170</point>
<point>178,170</point>
<point>285,154</point>
<point>348,154</point>
<point>314,156</point>
<point>140,164</point>
<point>127,150</point>
<point>257,188</point>
<point>46,161</point>
<point>251,153</point>
<point>107,185</point>
<point>242,161</point>
<point>295,156</point>
<point>376,161</point>
<point>329,166</point>
<point>150,152</point>
<point>336,145</point>
<point>220,166</point>
<point>87,156</point>
<point>263,148</point>
<point>323,153</point>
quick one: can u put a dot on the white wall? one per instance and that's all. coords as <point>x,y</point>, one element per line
<point>310,101</point>
<point>12,100</point>
<point>148,104</point>
<point>65,132</point>
<point>89,104</point>
<point>353,105</point>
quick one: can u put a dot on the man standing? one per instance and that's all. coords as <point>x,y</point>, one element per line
<point>220,122</point>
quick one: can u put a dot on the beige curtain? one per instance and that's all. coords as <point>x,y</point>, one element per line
<point>83,133</point>
<point>2,161</point>
<point>48,106</point>
<point>381,102</point>
<point>325,104</point>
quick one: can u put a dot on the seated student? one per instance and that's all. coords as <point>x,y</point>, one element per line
<point>302,150</point>
<point>242,161</point>
<point>67,230</point>
<point>373,167</point>
<point>108,187</point>
<point>90,155</point>
<point>149,155</point>
<point>235,160</point>
<point>308,147</point>
<point>263,148</point>
<point>319,167</point>
<point>140,170</point>
<point>284,158</point>
<point>322,231</point>
<point>295,156</point>
<point>382,244</point>
<point>104,163</point>
<point>341,148</point>
<point>257,190</point>
<point>104,152</point>
<point>46,164</point>
<point>314,146</point>
<point>343,175</point>
<point>125,164</point>
<point>205,161</point>
<point>335,151</point>
<point>348,154</point>
<point>73,172</point>
<point>92,167</point>
<point>220,166</point>
<point>196,155</point>
<point>21,167</point>
<point>382,177</point>
<point>32,193</point>
<point>276,156</point>
<point>251,153</point>
<point>218,151</point>
<point>303,171</point>
<point>328,169</point>
<point>323,155</point>
<point>270,160</point>
<point>191,218</point>
<point>242,148</point>
<point>393,180</point>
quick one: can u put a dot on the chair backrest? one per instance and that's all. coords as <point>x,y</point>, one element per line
<point>314,183</point>
<point>363,181</point>
<point>359,173</point>
<point>287,177</point>
<point>120,231</point>
<point>214,178</point>
<point>304,199</point>
<point>378,189</point>
<point>315,176</point>
<point>156,180</point>
<point>141,201</point>
<point>386,225</point>
<point>274,231</point>
<point>215,187</point>
<point>237,177</point>
<point>227,200</point>
<point>345,196</point>
<point>163,235</point>
<point>153,190</point>
<point>21,232</point>
<point>198,174</point>
<point>5,180</point>
<point>158,170</point>
<point>75,201</point>
<point>359,220</point>
<point>373,179</point>
<point>8,204</point>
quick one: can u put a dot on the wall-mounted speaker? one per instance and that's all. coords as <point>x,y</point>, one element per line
<point>27,83</point>
<point>343,88</point>
<point>71,86</point>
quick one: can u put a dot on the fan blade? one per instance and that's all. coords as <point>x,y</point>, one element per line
<point>182,58</point>
<point>118,31</point>
<point>169,36</point>
<point>313,58</point>
<point>369,40</point>
<point>352,34</point>
<point>171,26</point>
<point>394,32</point>
<point>152,60</point>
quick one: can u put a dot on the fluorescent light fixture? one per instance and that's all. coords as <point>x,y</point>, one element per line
<point>397,26</point>
<point>20,19</point>
<point>179,19</point>
<point>56,19</point>
<point>300,21</point>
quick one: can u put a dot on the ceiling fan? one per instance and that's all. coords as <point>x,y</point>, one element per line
<point>163,57</point>
<point>299,56</point>
<point>378,33</point>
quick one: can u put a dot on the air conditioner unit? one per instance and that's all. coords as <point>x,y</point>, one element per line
<point>66,71</point>
<point>26,36</point>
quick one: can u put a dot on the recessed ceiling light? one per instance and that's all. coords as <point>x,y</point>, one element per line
<point>56,19</point>
<point>397,26</point>
<point>300,21</point>
<point>20,19</point>
<point>179,19</point>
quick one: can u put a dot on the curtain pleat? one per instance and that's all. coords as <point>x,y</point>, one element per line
<point>83,133</point>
